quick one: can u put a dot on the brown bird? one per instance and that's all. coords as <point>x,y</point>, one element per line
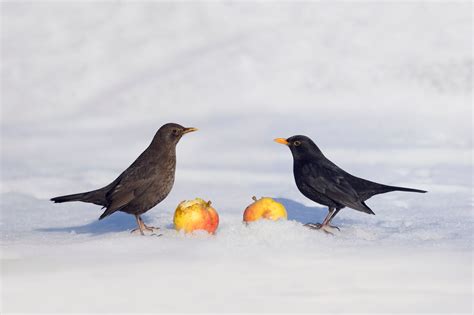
<point>143,184</point>
<point>322,181</point>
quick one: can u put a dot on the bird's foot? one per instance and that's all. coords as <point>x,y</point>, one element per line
<point>333,227</point>
<point>314,226</point>
<point>329,229</point>
<point>150,228</point>
<point>137,231</point>
<point>142,227</point>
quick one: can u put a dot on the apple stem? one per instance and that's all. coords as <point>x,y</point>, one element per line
<point>254,198</point>
<point>209,203</point>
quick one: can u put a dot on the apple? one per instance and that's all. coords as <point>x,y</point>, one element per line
<point>265,208</point>
<point>197,214</point>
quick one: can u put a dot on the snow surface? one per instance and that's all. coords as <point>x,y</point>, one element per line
<point>384,89</point>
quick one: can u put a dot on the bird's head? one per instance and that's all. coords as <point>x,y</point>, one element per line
<point>300,146</point>
<point>172,133</point>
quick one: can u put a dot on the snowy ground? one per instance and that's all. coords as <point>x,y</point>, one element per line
<point>385,90</point>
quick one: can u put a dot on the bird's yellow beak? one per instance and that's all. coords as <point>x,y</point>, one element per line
<point>190,129</point>
<point>281,140</point>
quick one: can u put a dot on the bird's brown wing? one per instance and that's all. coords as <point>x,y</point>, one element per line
<point>328,180</point>
<point>131,184</point>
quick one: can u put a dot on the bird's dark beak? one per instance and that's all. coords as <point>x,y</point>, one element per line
<point>282,141</point>
<point>188,130</point>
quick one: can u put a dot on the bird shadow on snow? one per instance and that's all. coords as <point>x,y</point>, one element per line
<point>118,222</point>
<point>301,213</point>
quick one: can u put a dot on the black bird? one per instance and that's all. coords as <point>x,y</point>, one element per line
<point>324,182</point>
<point>143,184</point>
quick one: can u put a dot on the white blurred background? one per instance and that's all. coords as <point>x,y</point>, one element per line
<point>385,90</point>
<point>86,85</point>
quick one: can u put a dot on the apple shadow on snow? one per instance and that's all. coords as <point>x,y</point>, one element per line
<point>118,222</point>
<point>301,213</point>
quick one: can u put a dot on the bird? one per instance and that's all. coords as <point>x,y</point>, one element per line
<point>144,184</point>
<point>322,181</point>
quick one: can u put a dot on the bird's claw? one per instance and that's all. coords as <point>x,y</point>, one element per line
<point>314,226</point>
<point>329,229</point>
<point>151,228</point>
<point>137,231</point>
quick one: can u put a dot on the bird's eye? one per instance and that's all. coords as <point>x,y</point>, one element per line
<point>296,143</point>
<point>175,131</point>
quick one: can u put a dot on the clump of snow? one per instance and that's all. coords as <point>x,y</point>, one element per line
<point>384,89</point>
<point>189,203</point>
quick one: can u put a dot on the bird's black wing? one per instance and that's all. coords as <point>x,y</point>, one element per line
<point>329,180</point>
<point>132,183</point>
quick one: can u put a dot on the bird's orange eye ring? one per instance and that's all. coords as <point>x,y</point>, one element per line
<point>297,143</point>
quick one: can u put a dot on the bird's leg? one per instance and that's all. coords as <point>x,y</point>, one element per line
<point>146,227</point>
<point>328,217</point>
<point>317,226</point>
<point>325,226</point>
<point>140,227</point>
<point>328,223</point>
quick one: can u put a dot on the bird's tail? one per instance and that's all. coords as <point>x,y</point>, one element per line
<point>387,188</point>
<point>67,198</point>
<point>362,206</point>
<point>95,196</point>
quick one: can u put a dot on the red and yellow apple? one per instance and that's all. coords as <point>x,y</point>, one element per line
<point>264,208</point>
<point>197,214</point>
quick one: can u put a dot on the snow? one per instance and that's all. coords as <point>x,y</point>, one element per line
<point>384,89</point>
